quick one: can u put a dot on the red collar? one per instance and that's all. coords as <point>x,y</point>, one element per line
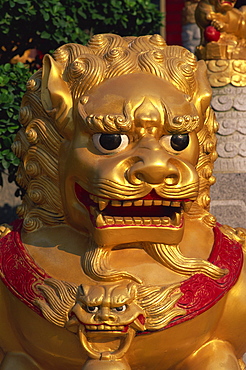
<point>21,275</point>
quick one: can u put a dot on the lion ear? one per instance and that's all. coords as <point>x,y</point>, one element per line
<point>55,95</point>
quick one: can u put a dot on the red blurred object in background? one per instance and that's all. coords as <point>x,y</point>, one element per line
<point>211,34</point>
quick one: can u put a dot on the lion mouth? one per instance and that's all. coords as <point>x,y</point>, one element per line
<point>105,328</point>
<point>226,2</point>
<point>150,211</point>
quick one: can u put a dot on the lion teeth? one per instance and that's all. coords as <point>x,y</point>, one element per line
<point>156,221</point>
<point>177,218</point>
<point>148,202</point>
<point>138,203</point>
<point>157,202</point>
<point>119,220</point>
<point>115,203</point>
<point>109,220</point>
<point>105,327</point>
<point>166,203</point>
<point>175,204</point>
<point>100,220</point>
<point>147,220</point>
<point>165,220</point>
<point>128,221</point>
<point>138,220</point>
<point>103,204</point>
<point>127,203</point>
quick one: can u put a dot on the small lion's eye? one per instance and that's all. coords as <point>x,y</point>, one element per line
<point>179,142</point>
<point>120,308</point>
<point>176,142</point>
<point>92,309</point>
<point>110,143</point>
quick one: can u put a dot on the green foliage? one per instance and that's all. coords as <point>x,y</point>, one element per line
<point>45,25</point>
<point>48,24</point>
<point>13,80</point>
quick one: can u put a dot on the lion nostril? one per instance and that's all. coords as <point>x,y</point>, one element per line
<point>156,173</point>
<point>171,179</point>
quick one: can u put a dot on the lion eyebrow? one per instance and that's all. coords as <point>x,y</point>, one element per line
<point>108,123</point>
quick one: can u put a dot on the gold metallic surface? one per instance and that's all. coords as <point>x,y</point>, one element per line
<point>224,72</point>
<point>117,147</point>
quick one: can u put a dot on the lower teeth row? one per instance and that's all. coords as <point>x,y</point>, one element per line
<point>158,221</point>
<point>104,327</point>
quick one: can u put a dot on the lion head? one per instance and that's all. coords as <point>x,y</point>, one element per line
<point>118,141</point>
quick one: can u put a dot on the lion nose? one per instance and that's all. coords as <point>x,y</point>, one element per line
<point>154,173</point>
<point>154,166</point>
<point>105,314</point>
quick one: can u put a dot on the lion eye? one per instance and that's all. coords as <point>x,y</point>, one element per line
<point>110,143</point>
<point>92,309</point>
<point>177,142</point>
<point>120,308</point>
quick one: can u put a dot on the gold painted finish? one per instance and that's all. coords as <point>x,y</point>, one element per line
<point>117,147</point>
<point>224,72</point>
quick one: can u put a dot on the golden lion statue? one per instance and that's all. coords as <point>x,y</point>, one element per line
<point>223,30</point>
<point>116,262</point>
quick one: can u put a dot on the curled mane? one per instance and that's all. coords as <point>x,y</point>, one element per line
<point>38,142</point>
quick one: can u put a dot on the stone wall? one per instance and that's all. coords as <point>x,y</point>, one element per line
<point>228,194</point>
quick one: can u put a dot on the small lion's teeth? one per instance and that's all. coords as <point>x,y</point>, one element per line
<point>103,204</point>
<point>138,203</point>
<point>107,327</point>
<point>115,203</point>
<point>166,203</point>
<point>100,327</point>
<point>186,206</point>
<point>157,202</point>
<point>175,204</point>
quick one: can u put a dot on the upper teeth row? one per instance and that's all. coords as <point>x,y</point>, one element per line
<point>102,202</point>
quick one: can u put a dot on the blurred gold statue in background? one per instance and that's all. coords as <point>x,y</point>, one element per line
<point>223,41</point>
<point>116,262</point>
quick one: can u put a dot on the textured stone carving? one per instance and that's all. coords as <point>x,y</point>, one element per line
<point>229,103</point>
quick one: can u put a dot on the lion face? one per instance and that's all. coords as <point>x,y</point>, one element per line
<point>115,136</point>
<point>129,172</point>
<point>224,5</point>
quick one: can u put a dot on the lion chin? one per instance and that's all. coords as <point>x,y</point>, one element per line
<point>116,261</point>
